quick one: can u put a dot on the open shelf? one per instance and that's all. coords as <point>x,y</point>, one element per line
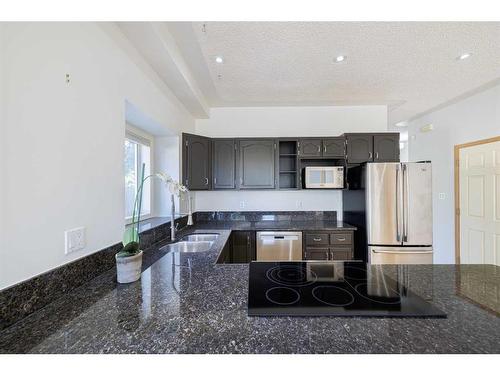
<point>288,167</point>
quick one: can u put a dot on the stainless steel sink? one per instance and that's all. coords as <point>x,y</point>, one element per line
<point>200,237</point>
<point>188,247</point>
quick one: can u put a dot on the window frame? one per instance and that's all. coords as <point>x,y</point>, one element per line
<point>142,138</point>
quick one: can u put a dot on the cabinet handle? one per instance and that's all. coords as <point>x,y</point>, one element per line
<point>215,180</point>
<point>316,239</point>
<point>370,155</point>
<point>324,149</point>
<point>206,180</point>
<point>327,255</point>
<point>376,155</point>
<point>341,239</point>
<point>319,148</point>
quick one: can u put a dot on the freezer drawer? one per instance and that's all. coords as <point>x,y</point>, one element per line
<point>279,246</point>
<point>400,255</point>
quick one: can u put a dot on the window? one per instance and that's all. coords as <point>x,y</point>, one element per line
<point>137,150</point>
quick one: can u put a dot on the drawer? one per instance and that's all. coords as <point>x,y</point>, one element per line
<point>317,253</point>
<point>341,253</point>
<point>317,239</point>
<point>341,238</point>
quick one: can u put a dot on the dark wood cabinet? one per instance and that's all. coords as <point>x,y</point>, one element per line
<point>380,147</point>
<point>334,147</point>
<point>196,162</point>
<point>310,147</point>
<point>224,163</point>
<point>359,148</point>
<point>257,164</point>
<point>322,147</point>
<point>328,245</point>
<point>317,253</point>
<point>386,147</point>
<point>243,246</point>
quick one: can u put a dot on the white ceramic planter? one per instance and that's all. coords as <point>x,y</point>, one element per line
<point>128,269</point>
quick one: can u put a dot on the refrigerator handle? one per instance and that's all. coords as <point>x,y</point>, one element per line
<point>398,235</point>
<point>405,203</point>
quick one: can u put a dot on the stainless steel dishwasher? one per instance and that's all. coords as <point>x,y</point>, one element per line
<point>279,246</point>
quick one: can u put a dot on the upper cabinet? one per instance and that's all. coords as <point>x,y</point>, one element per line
<point>380,147</point>
<point>334,147</point>
<point>386,147</point>
<point>196,162</point>
<point>267,163</point>
<point>359,148</point>
<point>257,164</point>
<point>224,163</point>
<point>310,147</point>
<point>322,147</point>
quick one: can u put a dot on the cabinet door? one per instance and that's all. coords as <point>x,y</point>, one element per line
<point>310,147</point>
<point>333,147</point>
<point>341,253</point>
<point>386,147</point>
<point>196,162</point>
<point>243,247</point>
<point>359,148</point>
<point>256,164</point>
<point>316,253</point>
<point>224,163</point>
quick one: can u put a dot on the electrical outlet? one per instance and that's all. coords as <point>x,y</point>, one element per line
<point>298,204</point>
<point>442,196</point>
<point>242,204</point>
<point>74,239</point>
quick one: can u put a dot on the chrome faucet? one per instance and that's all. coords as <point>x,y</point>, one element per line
<point>173,226</point>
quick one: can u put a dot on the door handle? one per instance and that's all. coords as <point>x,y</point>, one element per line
<point>206,180</point>
<point>370,155</point>
<point>398,235</point>
<point>402,252</point>
<point>376,155</point>
<point>405,203</point>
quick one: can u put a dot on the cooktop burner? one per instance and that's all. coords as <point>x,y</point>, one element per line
<point>330,288</point>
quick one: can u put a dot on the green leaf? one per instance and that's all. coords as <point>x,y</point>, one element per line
<point>132,248</point>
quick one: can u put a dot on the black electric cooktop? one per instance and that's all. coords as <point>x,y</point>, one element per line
<point>330,288</point>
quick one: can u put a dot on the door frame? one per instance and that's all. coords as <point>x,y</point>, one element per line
<point>456,163</point>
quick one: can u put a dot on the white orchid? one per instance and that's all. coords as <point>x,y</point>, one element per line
<point>173,186</point>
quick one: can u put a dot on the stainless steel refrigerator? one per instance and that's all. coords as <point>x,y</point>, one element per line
<point>399,213</point>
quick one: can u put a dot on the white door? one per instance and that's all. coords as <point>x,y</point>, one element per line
<point>480,204</point>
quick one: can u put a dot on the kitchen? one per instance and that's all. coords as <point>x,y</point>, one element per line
<point>266,219</point>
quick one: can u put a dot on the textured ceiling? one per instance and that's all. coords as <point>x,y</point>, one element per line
<point>410,66</point>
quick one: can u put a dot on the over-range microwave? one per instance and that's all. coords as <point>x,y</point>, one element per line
<point>324,177</point>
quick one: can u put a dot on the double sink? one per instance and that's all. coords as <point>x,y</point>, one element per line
<point>192,243</point>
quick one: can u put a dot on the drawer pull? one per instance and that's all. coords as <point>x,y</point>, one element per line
<point>316,239</point>
<point>340,238</point>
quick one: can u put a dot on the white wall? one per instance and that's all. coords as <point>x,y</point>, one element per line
<point>474,118</point>
<point>292,121</point>
<point>62,143</point>
<point>284,122</point>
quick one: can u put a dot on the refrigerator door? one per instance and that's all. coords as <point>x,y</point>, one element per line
<point>400,255</point>
<point>417,204</point>
<point>383,196</point>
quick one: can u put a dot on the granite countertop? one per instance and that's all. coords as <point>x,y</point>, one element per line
<point>186,303</point>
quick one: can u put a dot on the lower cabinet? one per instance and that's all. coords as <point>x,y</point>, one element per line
<point>317,253</point>
<point>240,248</point>
<point>334,245</point>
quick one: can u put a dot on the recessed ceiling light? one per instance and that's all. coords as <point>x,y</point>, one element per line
<point>340,58</point>
<point>219,59</point>
<point>464,56</point>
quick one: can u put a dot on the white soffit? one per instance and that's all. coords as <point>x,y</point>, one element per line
<point>155,43</point>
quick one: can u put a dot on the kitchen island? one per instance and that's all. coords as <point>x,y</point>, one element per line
<point>186,303</point>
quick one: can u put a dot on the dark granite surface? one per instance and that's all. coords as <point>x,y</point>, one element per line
<point>185,303</point>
